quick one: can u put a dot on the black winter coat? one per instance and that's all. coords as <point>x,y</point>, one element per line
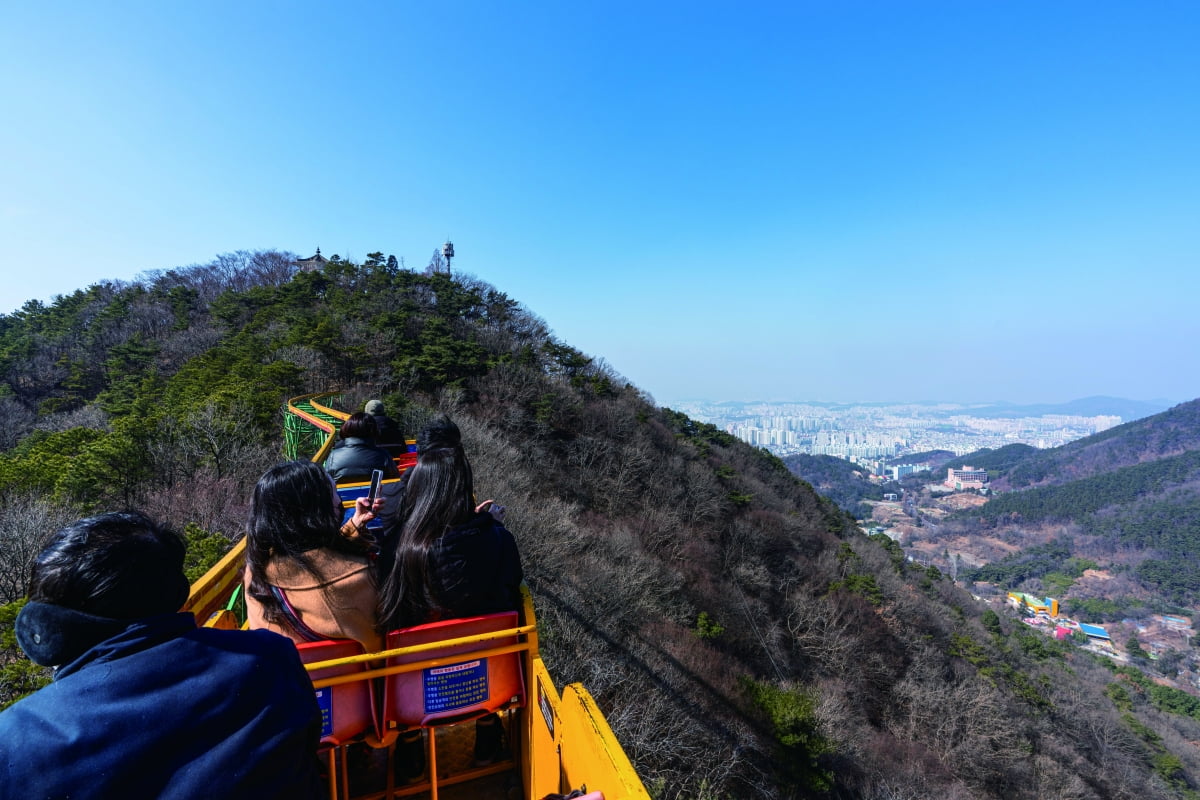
<point>354,459</point>
<point>389,430</point>
<point>476,569</point>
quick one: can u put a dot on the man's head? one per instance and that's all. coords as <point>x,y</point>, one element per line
<point>119,565</point>
<point>93,579</point>
<point>374,407</point>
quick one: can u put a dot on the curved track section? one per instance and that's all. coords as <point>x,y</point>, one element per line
<point>310,425</point>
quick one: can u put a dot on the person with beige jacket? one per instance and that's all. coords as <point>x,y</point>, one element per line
<point>307,576</point>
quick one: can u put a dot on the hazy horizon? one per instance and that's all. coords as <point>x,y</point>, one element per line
<point>928,402</point>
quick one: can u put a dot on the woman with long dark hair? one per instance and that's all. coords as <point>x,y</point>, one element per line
<point>448,558</point>
<point>308,576</point>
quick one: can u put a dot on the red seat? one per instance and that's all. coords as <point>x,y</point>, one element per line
<point>459,685</point>
<point>455,689</point>
<point>347,709</point>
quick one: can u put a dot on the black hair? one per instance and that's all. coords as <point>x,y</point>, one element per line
<point>439,494</point>
<point>291,513</point>
<point>441,432</point>
<point>360,425</point>
<point>120,565</point>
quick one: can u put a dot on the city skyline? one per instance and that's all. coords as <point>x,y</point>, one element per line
<point>843,202</point>
<point>875,432</point>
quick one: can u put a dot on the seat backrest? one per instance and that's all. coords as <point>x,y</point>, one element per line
<point>347,709</point>
<point>401,454</point>
<point>456,689</point>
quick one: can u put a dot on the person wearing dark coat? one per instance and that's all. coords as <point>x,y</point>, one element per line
<point>356,456</point>
<point>475,568</point>
<point>448,557</point>
<point>144,704</point>
<point>389,429</point>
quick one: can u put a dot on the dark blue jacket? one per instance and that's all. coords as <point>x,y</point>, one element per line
<point>164,709</point>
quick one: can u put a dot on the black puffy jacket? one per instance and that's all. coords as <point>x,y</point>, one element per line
<point>389,430</point>
<point>354,459</point>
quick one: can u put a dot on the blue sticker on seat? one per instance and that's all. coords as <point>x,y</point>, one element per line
<point>456,686</point>
<point>325,703</point>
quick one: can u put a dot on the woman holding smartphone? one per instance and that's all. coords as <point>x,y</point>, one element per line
<point>308,576</point>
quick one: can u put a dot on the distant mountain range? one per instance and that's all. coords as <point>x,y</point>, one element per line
<point>1096,406</point>
<point>1143,440</point>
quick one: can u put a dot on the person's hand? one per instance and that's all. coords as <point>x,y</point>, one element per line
<point>492,507</point>
<point>365,511</point>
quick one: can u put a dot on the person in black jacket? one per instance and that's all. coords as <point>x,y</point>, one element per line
<point>356,456</point>
<point>143,702</point>
<point>389,429</point>
<point>451,558</point>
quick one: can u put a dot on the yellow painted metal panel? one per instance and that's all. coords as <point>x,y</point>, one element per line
<point>591,754</point>
<point>541,768</point>
<point>210,594</point>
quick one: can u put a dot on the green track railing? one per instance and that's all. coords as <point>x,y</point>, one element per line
<point>310,425</point>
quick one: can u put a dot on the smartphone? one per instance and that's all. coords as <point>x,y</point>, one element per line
<point>376,479</point>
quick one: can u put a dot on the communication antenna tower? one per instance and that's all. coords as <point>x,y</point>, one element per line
<point>448,253</point>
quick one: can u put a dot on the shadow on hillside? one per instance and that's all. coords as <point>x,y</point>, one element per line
<point>716,700</point>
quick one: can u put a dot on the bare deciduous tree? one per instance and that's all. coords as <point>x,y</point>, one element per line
<point>25,521</point>
<point>15,421</point>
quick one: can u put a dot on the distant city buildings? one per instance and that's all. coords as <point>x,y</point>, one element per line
<point>900,470</point>
<point>871,433</point>
<point>966,478</point>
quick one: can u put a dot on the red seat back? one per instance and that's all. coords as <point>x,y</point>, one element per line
<point>460,687</point>
<point>347,709</point>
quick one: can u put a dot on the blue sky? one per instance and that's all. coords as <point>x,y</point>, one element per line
<point>836,200</point>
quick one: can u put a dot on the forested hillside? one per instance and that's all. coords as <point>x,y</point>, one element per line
<point>1131,495</point>
<point>1170,433</point>
<point>840,481</point>
<point>743,637</point>
<point>996,462</point>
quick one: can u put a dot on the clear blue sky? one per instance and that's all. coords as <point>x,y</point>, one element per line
<point>831,200</point>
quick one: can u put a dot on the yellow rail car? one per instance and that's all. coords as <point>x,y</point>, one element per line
<point>438,680</point>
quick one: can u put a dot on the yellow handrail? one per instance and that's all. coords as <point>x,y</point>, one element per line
<point>421,648</point>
